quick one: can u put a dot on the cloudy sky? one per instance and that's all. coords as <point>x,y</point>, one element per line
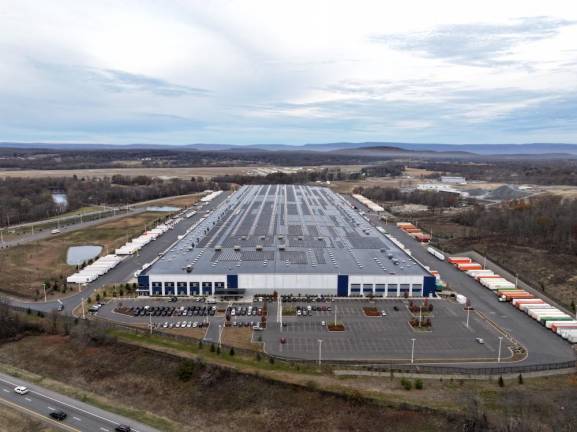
<point>168,71</point>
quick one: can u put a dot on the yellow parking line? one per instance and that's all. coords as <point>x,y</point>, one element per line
<point>40,416</point>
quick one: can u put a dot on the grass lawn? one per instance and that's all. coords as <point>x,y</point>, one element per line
<point>24,268</point>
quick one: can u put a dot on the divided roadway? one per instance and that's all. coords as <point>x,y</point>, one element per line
<point>82,417</point>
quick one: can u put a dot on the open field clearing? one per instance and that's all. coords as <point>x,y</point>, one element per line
<point>12,420</point>
<point>201,396</point>
<point>24,268</point>
<point>183,173</point>
<point>178,201</point>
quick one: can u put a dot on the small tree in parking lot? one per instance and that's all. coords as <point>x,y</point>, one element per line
<point>218,350</point>
<point>231,352</point>
<point>212,348</point>
<point>501,382</point>
<point>520,379</point>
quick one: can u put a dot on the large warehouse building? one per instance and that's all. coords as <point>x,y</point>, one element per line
<point>289,239</point>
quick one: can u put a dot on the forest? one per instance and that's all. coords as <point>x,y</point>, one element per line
<point>30,199</point>
<point>20,159</point>
<point>546,222</point>
<point>542,172</point>
<point>434,200</point>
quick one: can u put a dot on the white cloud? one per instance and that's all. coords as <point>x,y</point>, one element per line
<point>260,71</point>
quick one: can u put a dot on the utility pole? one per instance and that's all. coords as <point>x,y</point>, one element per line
<point>413,351</point>
<point>420,315</point>
<point>150,322</point>
<point>500,341</point>
<point>320,341</point>
<point>44,286</point>
<point>468,312</point>
<point>516,279</point>
<point>83,312</point>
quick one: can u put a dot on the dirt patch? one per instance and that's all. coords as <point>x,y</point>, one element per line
<point>240,338</point>
<point>12,420</point>
<point>24,268</point>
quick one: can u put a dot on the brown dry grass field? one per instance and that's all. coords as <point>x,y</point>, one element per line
<point>240,337</point>
<point>183,173</point>
<point>24,268</point>
<point>12,420</point>
<point>213,399</point>
<point>179,201</point>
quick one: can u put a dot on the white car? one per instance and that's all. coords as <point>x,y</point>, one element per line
<point>323,323</point>
<point>189,324</point>
<point>195,324</point>
<point>21,390</point>
<point>383,313</point>
<point>177,325</point>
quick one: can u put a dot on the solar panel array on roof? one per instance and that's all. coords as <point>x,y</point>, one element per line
<point>288,229</point>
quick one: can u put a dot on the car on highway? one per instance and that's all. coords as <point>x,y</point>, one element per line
<point>123,428</point>
<point>21,390</point>
<point>58,415</point>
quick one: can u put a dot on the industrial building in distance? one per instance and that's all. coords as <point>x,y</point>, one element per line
<point>289,239</point>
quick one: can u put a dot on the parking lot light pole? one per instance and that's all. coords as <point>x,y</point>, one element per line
<point>499,356</point>
<point>468,312</point>
<point>320,341</point>
<point>413,351</point>
<point>335,314</point>
<point>150,323</point>
<point>220,328</point>
<point>83,312</point>
<point>44,287</point>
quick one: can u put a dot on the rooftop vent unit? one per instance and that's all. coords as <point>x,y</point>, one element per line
<point>189,268</point>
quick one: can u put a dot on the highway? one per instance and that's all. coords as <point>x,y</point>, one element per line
<point>40,402</point>
<point>542,345</point>
<point>46,233</point>
<point>125,270</point>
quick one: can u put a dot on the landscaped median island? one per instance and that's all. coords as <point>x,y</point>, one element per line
<point>335,327</point>
<point>371,311</point>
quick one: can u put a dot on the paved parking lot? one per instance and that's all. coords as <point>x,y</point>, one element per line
<point>383,338</point>
<point>386,337</point>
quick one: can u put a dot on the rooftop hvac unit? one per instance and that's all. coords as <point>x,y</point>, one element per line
<point>281,247</point>
<point>218,248</point>
<point>320,238</point>
<point>300,237</point>
<point>280,237</point>
<point>262,237</point>
<point>258,247</point>
<point>237,248</point>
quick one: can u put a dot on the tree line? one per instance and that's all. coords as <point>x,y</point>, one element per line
<point>547,222</point>
<point>31,199</point>
<point>542,172</point>
<point>432,199</point>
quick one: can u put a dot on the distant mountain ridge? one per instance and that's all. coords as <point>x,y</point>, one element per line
<point>555,149</point>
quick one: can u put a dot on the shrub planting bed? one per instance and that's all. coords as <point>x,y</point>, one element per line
<point>336,327</point>
<point>371,311</point>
